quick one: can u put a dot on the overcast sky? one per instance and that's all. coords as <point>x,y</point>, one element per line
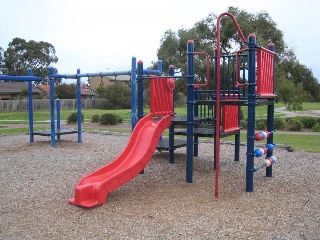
<point>102,35</point>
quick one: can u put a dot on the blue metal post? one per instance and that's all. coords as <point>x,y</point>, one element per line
<point>237,142</point>
<point>190,73</point>
<point>171,73</point>
<point>140,89</point>
<point>79,115</point>
<point>53,134</point>
<point>133,92</point>
<point>270,119</point>
<point>140,93</point>
<point>30,107</point>
<point>160,67</point>
<point>171,128</point>
<point>251,111</point>
<point>236,136</point>
<point>58,107</point>
<point>196,114</point>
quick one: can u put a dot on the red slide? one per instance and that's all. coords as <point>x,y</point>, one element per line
<point>92,190</point>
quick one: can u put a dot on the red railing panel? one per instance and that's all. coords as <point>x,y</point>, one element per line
<point>265,73</point>
<point>161,96</point>
<point>230,116</point>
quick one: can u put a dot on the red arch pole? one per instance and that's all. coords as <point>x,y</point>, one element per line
<point>217,125</point>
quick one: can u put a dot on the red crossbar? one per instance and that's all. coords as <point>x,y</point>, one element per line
<point>265,73</point>
<point>161,96</point>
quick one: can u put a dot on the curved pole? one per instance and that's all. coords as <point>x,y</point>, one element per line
<point>238,84</point>
<point>217,127</point>
<point>207,70</point>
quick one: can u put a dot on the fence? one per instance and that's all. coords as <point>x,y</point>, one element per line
<point>44,104</point>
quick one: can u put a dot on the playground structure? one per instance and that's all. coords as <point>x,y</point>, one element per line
<point>243,79</point>
<point>218,108</point>
<point>28,79</point>
<point>55,130</point>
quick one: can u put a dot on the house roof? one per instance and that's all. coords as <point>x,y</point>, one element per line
<point>46,89</point>
<point>89,90</point>
<point>16,87</point>
<point>95,82</point>
<point>120,78</point>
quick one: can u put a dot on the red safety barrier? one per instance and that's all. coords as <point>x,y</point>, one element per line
<point>161,96</point>
<point>265,73</point>
<point>230,117</point>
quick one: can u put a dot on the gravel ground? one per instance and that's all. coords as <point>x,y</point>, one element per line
<point>37,179</point>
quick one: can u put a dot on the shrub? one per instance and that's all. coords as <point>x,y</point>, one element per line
<point>243,123</point>
<point>95,118</point>
<point>295,125</point>
<point>119,119</point>
<point>116,97</point>
<point>72,118</point>
<point>110,119</point>
<point>316,127</point>
<point>65,91</point>
<point>287,119</point>
<point>260,125</point>
<point>180,99</point>
<point>38,97</point>
<point>308,122</point>
<point>279,123</point>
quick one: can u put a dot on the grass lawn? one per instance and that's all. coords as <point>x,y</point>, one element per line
<point>261,112</point>
<point>19,130</point>
<point>297,141</point>
<point>302,142</point>
<point>45,115</point>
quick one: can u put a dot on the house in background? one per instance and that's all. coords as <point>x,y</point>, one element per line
<point>46,92</point>
<point>12,90</point>
<point>91,92</point>
<point>95,82</point>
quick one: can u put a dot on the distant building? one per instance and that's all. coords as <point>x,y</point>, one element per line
<point>85,93</point>
<point>91,92</point>
<point>95,82</point>
<point>12,90</point>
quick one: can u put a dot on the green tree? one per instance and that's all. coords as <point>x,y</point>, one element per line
<point>100,89</point>
<point>21,55</point>
<point>1,60</point>
<point>116,96</point>
<point>291,93</point>
<point>173,44</point>
<point>299,74</point>
<point>173,48</point>
<point>65,91</point>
